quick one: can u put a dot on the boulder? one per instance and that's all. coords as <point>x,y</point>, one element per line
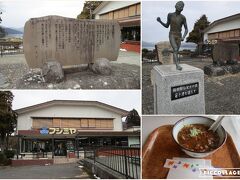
<point>52,72</point>
<point>102,66</point>
<point>213,70</point>
<point>235,68</point>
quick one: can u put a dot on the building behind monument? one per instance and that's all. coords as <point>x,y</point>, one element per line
<point>128,15</point>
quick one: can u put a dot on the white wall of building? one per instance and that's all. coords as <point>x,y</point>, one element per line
<point>69,111</point>
<point>226,26</point>
<point>113,5</point>
<point>133,140</point>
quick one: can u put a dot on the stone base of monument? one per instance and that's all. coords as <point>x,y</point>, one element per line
<point>101,66</point>
<point>52,72</point>
<point>124,76</point>
<point>75,68</point>
<point>216,70</point>
<point>178,92</point>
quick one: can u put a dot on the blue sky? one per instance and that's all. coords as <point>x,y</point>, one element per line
<point>152,31</point>
<point>17,12</point>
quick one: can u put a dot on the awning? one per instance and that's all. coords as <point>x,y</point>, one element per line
<point>36,134</point>
<point>130,22</point>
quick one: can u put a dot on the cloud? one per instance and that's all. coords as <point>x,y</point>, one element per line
<point>124,99</point>
<point>17,12</point>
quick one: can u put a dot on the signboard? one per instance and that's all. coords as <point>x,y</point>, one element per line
<point>182,91</point>
<point>44,130</point>
<point>62,130</point>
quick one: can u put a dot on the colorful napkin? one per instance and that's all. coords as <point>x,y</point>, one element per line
<point>186,168</point>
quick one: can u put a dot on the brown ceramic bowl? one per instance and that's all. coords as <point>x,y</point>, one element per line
<point>198,120</point>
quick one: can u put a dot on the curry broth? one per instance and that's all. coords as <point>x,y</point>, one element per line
<point>197,138</point>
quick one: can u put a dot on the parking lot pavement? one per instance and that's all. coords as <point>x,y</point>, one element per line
<point>58,171</point>
<point>128,57</point>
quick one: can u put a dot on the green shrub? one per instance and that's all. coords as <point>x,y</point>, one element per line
<point>9,153</point>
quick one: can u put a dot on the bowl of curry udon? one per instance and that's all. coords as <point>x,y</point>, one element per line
<point>194,138</point>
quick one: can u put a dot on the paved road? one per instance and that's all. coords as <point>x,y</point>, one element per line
<point>128,57</point>
<point>13,59</point>
<point>58,171</point>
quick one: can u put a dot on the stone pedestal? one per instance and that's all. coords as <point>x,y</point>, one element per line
<point>178,92</point>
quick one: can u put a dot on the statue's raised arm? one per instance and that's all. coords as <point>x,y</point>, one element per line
<point>166,25</point>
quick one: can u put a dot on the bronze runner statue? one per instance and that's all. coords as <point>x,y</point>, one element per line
<point>176,20</point>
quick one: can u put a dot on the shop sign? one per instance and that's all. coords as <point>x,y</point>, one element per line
<point>62,130</point>
<point>44,130</point>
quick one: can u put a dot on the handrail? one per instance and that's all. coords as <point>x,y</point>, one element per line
<point>124,160</point>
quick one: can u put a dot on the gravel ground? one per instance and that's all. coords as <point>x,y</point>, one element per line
<point>124,76</point>
<point>15,74</point>
<point>222,93</point>
<point>12,67</point>
<point>57,171</point>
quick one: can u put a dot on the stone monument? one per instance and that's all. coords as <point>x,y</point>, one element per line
<point>225,53</point>
<point>225,57</point>
<point>163,54</point>
<point>70,41</point>
<point>177,89</point>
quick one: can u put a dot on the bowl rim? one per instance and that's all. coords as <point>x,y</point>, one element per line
<point>211,151</point>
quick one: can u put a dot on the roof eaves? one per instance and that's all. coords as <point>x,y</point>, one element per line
<point>235,16</point>
<point>104,3</point>
<point>122,112</point>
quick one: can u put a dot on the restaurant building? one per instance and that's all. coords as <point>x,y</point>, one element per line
<point>226,29</point>
<point>127,13</point>
<point>65,127</point>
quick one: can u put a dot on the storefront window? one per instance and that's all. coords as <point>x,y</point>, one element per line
<point>60,147</point>
<point>30,145</point>
<point>101,141</point>
<point>131,33</point>
<point>70,145</point>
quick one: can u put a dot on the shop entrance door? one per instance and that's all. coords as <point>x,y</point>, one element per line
<point>60,148</point>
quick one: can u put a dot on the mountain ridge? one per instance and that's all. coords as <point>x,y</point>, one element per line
<point>9,30</point>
